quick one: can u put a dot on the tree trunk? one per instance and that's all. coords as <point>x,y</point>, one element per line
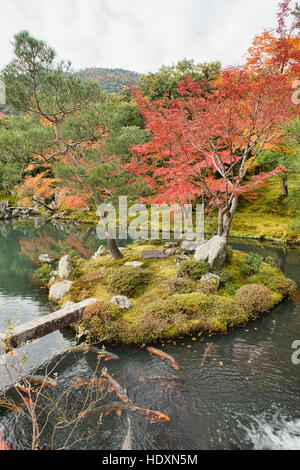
<point>113,248</point>
<point>214,250</point>
<point>284,187</point>
<point>111,242</point>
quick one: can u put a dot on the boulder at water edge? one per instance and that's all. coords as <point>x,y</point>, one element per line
<point>65,267</point>
<point>59,290</point>
<point>45,258</point>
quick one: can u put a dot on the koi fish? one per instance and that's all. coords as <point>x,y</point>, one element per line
<point>114,386</point>
<point>39,380</point>
<point>108,355</point>
<point>4,445</point>
<point>85,348</point>
<point>127,442</point>
<point>78,383</point>
<point>153,416</point>
<point>116,407</point>
<point>23,389</point>
<point>102,383</point>
<point>163,355</point>
<point>27,401</point>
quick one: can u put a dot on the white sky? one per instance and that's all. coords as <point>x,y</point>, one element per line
<point>138,35</point>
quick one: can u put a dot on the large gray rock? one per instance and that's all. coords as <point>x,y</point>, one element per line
<point>46,259</point>
<point>59,290</point>
<point>5,212</point>
<point>99,252</point>
<point>65,267</point>
<point>191,246</point>
<point>122,301</point>
<point>214,279</point>
<point>153,254</point>
<point>213,251</point>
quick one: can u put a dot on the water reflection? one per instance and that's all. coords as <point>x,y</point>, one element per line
<point>238,391</point>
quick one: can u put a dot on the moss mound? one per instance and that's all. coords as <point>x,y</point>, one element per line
<point>194,269</point>
<point>129,280</point>
<point>255,299</point>
<point>275,282</point>
<point>167,306</point>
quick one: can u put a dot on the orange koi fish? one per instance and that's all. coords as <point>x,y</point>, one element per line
<point>108,355</point>
<point>4,445</point>
<point>102,383</point>
<point>39,380</point>
<point>23,389</point>
<point>163,355</point>
<point>116,407</point>
<point>152,416</point>
<point>114,386</point>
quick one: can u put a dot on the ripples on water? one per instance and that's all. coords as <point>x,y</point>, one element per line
<point>238,391</point>
<point>273,431</point>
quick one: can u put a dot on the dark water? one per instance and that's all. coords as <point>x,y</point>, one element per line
<point>238,391</point>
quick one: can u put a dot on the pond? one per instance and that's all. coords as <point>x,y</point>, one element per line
<point>237,391</point>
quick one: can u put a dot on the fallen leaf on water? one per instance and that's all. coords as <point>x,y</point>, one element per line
<point>221,363</point>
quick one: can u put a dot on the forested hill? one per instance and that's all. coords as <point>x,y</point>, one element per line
<point>112,80</point>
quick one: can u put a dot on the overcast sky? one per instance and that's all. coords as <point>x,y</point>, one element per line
<point>138,35</point>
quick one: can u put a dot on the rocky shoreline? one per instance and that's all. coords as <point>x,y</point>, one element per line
<point>163,292</point>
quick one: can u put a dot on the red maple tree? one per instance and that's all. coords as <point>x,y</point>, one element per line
<point>204,144</point>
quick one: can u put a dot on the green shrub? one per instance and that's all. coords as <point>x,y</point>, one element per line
<point>226,276</point>
<point>149,328</point>
<point>275,282</point>
<point>255,299</point>
<point>129,280</point>
<point>185,304</point>
<point>230,288</point>
<point>150,242</point>
<point>226,311</point>
<point>43,274</point>
<point>206,287</point>
<point>98,319</point>
<point>271,261</point>
<point>193,269</point>
<point>250,264</point>
<point>182,286</point>
<point>229,254</point>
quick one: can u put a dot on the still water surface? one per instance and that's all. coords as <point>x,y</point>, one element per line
<point>251,401</point>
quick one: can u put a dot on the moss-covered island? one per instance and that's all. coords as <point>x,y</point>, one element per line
<point>169,297</point>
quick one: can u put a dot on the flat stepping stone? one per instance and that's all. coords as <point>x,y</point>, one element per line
<point>153,254</point>
<point>136,264</point>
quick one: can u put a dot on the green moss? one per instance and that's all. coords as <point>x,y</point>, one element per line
<point>182,286</point>
<point>184,304</point>
<point>43,274</point>
<point>129,280</point>
<point>194,269</point>
<point>255,299</point>
<point>166,307</point>
<point>227,311</point>
<point>275,282</point>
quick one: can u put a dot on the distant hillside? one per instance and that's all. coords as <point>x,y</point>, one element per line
<point>111,80</point>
